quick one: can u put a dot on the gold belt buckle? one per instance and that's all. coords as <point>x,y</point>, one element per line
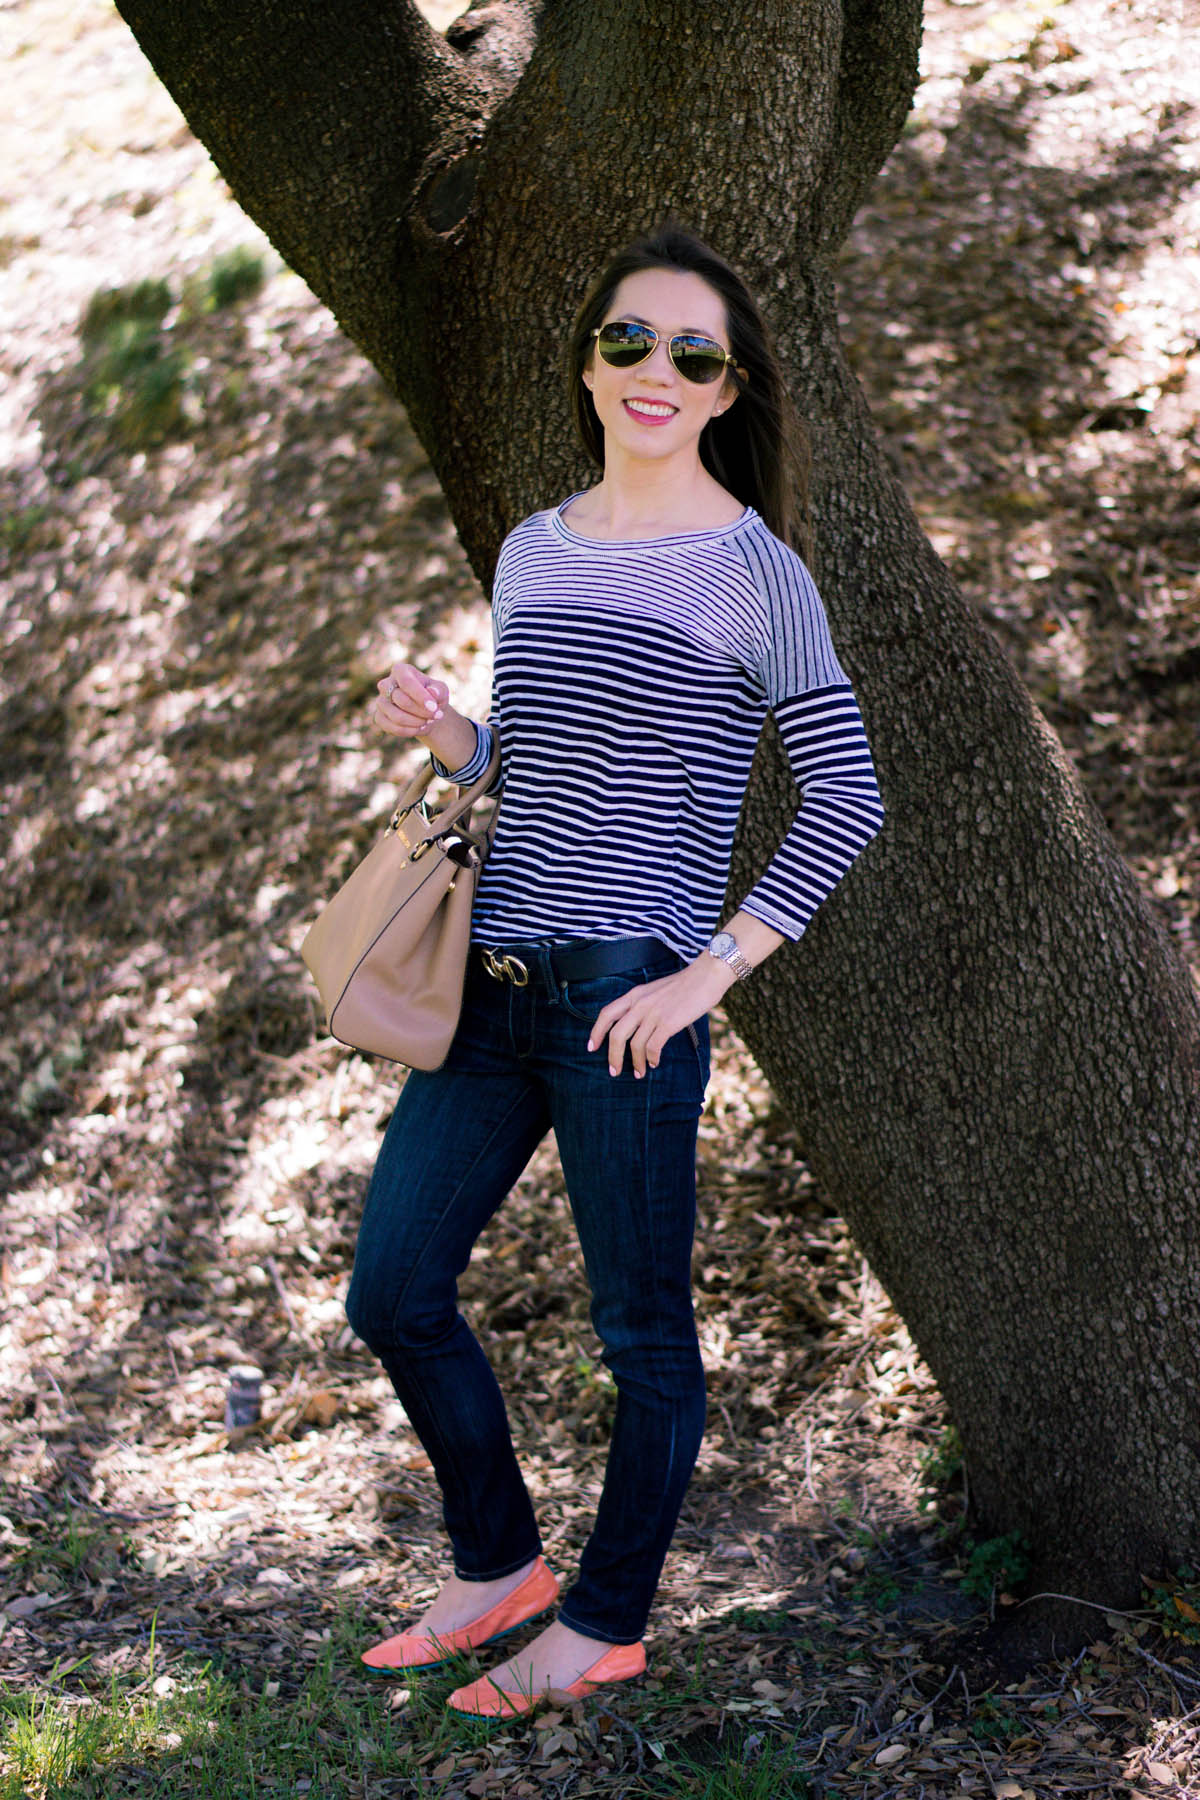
<point>506,968</point>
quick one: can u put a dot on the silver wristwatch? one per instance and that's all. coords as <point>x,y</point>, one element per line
<point>726,949</point>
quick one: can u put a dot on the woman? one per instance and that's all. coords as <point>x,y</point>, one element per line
<point>643,630</point>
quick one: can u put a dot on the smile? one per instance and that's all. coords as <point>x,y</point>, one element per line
<point>650,409</point>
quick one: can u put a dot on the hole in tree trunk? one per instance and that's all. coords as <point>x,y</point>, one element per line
<point>449,193</point>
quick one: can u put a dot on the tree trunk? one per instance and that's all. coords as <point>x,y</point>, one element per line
<point>989,1047</point>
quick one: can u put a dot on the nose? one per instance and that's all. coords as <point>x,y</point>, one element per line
<point>659,361</point>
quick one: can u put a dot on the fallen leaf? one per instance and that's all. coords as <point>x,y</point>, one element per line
<point>321,1408</point>
<point>891,1753</point>
<point>27,1605</point>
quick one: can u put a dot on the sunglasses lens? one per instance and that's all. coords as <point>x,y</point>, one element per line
<point>698,359</point>
<point>623,344</point>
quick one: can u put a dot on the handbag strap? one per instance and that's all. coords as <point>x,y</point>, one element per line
<point>453,811</point>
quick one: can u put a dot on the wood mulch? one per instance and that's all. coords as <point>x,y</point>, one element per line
<point>192,630</point>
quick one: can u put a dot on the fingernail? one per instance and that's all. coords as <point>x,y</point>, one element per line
<point>638,1073</point>
<point>591,1045</point>
<point>613,1071</point>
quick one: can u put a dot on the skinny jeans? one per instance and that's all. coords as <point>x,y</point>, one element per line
<point>519,1066</point>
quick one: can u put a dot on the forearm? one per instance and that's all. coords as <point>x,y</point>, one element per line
<point>756,940</point>
<point>451,740</point>
<point>649,1015</point>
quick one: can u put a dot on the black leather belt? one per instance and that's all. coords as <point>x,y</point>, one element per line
<point>571,962</point>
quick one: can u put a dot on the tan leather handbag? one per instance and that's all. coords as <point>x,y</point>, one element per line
<point>389,952</point>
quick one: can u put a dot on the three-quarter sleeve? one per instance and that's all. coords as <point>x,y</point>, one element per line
<point>840,809</point>
<point>475,764</point>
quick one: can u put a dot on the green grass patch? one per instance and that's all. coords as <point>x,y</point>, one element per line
<point>19,527</point>
<point>133,373</point>
<point>761,1619</point>
<point>877,1588</point>
<point>238,275</point>
<point>754,1770</point>
<point>942,1464</point>
<point>1176,1605</point>
<point>199,1729</point>
<point>994,1723</point>
<point>995,1564</point>
<point>110,310</point>
<point>332,1732</point>
<point>235,276</point>
<point>136,364</point>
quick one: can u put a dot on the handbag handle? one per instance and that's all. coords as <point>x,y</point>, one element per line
<point>453,812</point>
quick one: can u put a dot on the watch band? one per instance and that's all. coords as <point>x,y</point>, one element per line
<point>725,947</point>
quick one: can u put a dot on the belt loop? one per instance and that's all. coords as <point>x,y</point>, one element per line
<point>545,969</point>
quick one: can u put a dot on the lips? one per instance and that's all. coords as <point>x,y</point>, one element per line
<point>650,412</point>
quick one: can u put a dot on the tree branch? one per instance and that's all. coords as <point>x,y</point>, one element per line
<point>497,38</point>
<point>331,119</point>
<point>881,46</point>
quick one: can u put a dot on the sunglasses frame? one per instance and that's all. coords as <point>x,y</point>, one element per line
<point>656,338</point>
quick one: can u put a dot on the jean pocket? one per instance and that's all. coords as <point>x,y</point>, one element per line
<point>585,999</point>
<point>698,1034</point>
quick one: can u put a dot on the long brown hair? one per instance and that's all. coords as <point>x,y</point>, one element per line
<point>757,449</point>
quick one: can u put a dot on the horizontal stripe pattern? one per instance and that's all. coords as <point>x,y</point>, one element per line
<point>631,684</point>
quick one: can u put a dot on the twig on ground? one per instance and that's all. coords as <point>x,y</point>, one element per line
<point>272,1268</point>
<point>1096,1606</point>
<point>1175,1674</point>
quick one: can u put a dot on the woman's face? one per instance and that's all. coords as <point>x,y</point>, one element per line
<point>650,411</point>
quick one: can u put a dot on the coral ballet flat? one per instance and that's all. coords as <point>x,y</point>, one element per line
<point>421,1650</point>
<point>484,1700</point>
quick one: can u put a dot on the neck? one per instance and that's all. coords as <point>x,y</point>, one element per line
<point>634,494</point>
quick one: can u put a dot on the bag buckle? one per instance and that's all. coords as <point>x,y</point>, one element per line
<point>421,807</point>
<point>506,968</point>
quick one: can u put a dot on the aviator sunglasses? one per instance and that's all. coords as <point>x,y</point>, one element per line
<point>624,343</point>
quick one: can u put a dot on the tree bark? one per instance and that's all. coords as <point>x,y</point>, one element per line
<point>989,1046</point>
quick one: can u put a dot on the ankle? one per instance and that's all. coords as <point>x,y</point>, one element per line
<point>495,1584</point>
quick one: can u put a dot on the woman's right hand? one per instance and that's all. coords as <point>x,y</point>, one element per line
<point>410,704</point>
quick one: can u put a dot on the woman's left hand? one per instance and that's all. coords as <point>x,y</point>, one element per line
<point>647,1016</point>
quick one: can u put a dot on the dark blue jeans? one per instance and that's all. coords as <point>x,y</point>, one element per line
<point>457,1142</point>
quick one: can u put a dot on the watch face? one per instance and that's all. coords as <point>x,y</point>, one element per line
<point>723,943</point>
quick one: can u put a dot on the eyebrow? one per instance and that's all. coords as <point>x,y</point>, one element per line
<point>680,330</point>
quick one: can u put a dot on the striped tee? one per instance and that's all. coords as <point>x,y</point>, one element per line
<point>631,683</point>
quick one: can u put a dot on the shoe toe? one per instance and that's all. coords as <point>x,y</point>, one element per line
<point>408,1651</point>
<point>622,1662</point>
<point>484,1700</point>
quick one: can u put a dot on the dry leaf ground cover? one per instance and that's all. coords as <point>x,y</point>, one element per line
<point>216,529</point>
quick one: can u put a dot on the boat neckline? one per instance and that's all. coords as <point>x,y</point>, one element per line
<point>559,524</point>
